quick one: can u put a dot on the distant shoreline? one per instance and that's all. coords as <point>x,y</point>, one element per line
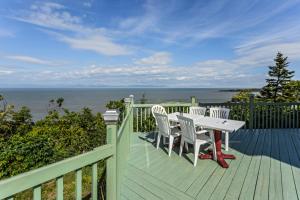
<point>239,90</point>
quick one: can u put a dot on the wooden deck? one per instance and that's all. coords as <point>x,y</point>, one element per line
<point>267,167</point>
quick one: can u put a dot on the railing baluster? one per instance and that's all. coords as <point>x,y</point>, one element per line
<point>294,116</point>
<point>37,193</point>
<point>141,118</point>
<point>285,114</point>
<point>274,116</point>
<point>137,119</point>
<point>78,184</point>
<point>297,121</point>
<point>94,181</point>
<point>290,116</point>
<point>60,188</point>
<point>270,116</point>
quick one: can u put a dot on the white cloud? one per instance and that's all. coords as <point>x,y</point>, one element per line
<point>51,15</point>
<point>6,33</point>
<point>78,35</point>
<point>159,58</point>
<point>88,3</point>
<point>96,43</point>
<point>4,72</point>
<point>31,60</point>
<point>200,21</point>
<point>218,73</point>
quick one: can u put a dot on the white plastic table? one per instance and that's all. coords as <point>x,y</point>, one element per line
<point>217,125</point>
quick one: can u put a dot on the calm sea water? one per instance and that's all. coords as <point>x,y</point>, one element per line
<point>96,99</point>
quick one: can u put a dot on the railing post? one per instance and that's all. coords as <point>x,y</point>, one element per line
<point>132,113</point>
<point>251,111</point>
<point>194,101</point>
<point>111,119</point>
<point>128,104</point>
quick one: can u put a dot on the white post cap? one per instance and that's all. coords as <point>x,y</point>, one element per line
<point>111,116</point>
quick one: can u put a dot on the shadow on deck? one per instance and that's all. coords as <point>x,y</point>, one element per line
<point>267,167</point>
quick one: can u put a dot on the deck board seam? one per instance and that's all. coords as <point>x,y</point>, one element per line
<point>249,165</point>
<point>149,182</point>
<point>293,173</point>
<point>143,187</point>
<point>236,136</point>
<point>200,174</point>
<point>148,174</point>
<point>132,191</point>
<point>243,155</point>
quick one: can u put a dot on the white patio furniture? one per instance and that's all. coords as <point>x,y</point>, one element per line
<point>219,126</point>
<point>223,113</point>
<point>165,130</point>
<point>158,109</point>
<point>191,136</point>
<point>197,110</point>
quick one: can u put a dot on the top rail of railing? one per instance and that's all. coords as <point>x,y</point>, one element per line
<point>259,115</point>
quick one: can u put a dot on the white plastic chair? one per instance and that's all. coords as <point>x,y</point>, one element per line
<point>165,130</point>
<point>218,112</point>
<point>191,136</point>
<point>196,110</point>
<point>158,109</point>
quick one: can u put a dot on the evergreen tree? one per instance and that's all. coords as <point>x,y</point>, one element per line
<point>277,88</point>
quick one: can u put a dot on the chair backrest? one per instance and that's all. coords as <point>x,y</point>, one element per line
<point>162,123</point>
<point>219,112</point>
<point>188,130</point>
<point>196,110</point>
<point>157,109</point>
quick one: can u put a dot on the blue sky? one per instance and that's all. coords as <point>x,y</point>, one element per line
<point>93,43</point>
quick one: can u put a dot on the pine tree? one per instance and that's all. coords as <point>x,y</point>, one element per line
<point>277,88</point>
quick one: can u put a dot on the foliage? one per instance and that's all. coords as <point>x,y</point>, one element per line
<point>55,105</point>
<point>143,100</point>
<point>277,88</point>
<point>116,104</point>
<point>242,96</point>
<point>25,145</point>
<point>23,152</point>
<point>147,124</point>
<point>294,89</point>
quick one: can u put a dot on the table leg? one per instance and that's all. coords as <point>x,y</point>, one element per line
<point>220,156</point>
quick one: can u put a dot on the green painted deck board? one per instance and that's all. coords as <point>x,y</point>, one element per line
<point>296,161</point>
<point>252,174</point>
<point>275,185</point>
<point>209,169</point>
<point>229,175</point>
<point>267,167</point>
<point>262,184</point>
<point>288,184</point>
<point>236,185</point>
<point>127,193</point>
<point>216,177</point>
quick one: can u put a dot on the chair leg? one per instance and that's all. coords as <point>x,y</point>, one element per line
<point>211,133</point>
<point>171,139</point>
<point>196,152</point>
<point>226,141</point>
<point>186,146</point>
<point>158,140</point>
<point>181,146</point>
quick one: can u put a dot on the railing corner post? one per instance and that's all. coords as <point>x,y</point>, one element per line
<point>251,110</point>
<point>129,104</point>
<point>193,101</point>
<point>111,118</point>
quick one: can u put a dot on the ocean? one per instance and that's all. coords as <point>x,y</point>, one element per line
<point>37,99</point>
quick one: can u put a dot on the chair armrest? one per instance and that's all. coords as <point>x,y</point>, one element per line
<point>202,132</point>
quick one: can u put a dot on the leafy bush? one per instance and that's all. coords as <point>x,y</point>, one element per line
<point>25,145</point>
